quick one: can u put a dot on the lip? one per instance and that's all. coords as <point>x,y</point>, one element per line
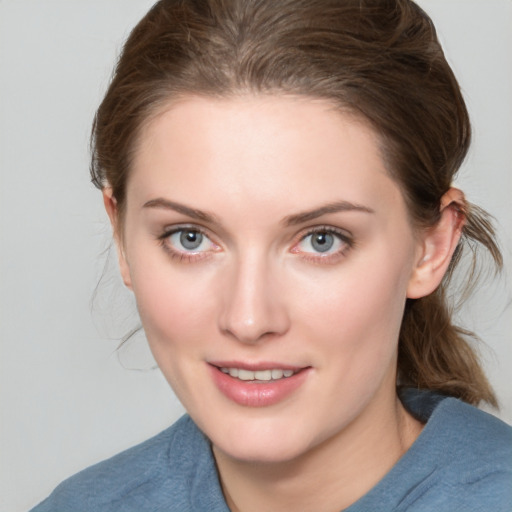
<point>257,394</point>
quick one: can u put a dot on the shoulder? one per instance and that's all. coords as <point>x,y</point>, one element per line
<point>462,429</point>
<point>157,470</point>
<point>467,454</point>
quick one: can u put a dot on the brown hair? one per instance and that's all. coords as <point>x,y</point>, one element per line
<point>379,59</point>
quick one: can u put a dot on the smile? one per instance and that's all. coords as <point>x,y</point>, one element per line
<point>260,375</point>
<point>263,385</point>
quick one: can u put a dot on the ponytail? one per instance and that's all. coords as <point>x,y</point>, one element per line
<point>433,352</point>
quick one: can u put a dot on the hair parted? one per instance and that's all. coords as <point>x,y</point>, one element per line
<point>377,59</point>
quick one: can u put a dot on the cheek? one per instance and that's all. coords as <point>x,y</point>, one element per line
<point>174,306</point>
<point>360,308</point>
<point>176,314</point>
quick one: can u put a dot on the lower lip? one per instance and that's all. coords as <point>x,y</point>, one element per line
<point>257,393</point>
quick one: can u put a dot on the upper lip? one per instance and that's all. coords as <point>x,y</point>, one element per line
<point>256,366</point>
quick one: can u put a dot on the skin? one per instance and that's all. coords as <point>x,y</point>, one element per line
<point>258,290</point>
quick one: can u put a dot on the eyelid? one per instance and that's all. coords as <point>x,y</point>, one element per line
<point>190,256</point>
<point>171,230</point>
<point>345,236</point>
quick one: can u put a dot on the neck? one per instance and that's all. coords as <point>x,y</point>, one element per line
<point>328,477</point>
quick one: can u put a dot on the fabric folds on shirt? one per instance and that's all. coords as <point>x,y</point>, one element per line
<point>461,462</point>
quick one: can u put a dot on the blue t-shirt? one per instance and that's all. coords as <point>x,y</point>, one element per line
<point>461,462</point>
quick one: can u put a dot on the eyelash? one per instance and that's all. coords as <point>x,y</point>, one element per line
<point>345,238</point>
<point>184,256</point>
<point>192,257</point>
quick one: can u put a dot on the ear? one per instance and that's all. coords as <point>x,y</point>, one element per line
<point>111,207</point>
<point>437,246</point>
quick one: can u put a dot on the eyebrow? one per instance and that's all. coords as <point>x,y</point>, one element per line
<point>335,207</point>
<point>180,208</point>
<point>290,220</point>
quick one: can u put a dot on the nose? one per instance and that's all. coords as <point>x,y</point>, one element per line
<point>254,307</point>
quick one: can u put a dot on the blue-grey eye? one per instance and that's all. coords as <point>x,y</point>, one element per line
<point>322,242</point>
<point>190,239</point>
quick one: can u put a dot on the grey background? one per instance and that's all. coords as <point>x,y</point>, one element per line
<point>66,399</point>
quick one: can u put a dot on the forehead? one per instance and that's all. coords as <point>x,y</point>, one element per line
<point>260,150</point>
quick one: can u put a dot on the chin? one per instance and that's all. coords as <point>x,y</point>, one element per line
<point>268,441</point>
<point>261,453</point>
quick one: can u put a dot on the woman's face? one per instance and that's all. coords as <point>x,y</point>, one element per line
<point>270,255</point>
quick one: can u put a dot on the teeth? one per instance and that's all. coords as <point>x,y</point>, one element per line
<point>245,374</point>
<point>261,375</point>
<point>277,374</point>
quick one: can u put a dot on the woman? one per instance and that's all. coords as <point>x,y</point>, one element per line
<point>278,177</point>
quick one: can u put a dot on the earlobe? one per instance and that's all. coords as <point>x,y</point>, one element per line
<point>437,246</point>
<point>111,208</point>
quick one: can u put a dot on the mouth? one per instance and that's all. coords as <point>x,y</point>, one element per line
<point>257,385</point>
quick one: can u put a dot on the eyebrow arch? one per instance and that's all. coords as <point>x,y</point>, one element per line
<point>337,206</point>
<point>160,202</point>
